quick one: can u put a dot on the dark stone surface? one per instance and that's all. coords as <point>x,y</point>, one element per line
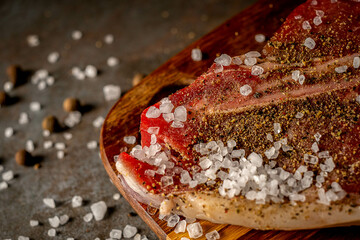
<point>147,33</point>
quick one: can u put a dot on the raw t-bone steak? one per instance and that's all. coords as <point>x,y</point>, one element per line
<point>268,141</point>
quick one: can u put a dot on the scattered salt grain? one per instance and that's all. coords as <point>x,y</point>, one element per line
<point>299,115</point>
<point>315,147</point>
<point>250,61</point>
<point>8,86</point>
<point>112,61</point>
<point>173,220</point>
<point>255,159</point>
<point>76,35</point>
<point>213,235</point>
<point>130,139</point>
<point>177,124</point>
<point>295,75</point>
<point>21,238</point>
<point>48,144</point>
<point>64,219</point>
<point>52,232</point>
<point>168,117</point>
<point>92,145</point>
<point>3,185</point>
<point>252,54</point>
<point>53,57</point>
<point>129,231</point>
<point>166,107</point>
<point>42,85</point>
<point>306,25</point>
<point>29,146</point>
<point>54,221</point>
<point>60,154</point>
<point>301,79</point>
<point>218,68</point>
<point>8,175</point>
<point>109,39</point>
<point>60,146</point>
<point>24,118</point>
<point>245,90</point>
<point>356,62</point>
<point>77,73</point>
<point>309,43</point>
<point>50,80</point>
<point>137,237</point>
<point>99,210</point>
<point>46,133</point>
<point>317,20</point>
<point>116,234</point>
<point>196,54</point>
<point>166,181</point>
<point>310,159</point>
<point>35,106</point>
<point>259,38</point>
<point>72,119</point>
<point>224,60</point>
<point>277,128</point>
<point>341,69</point>
<point>180,114</point>
<point>236,60</point>
<point>153,112</point>
<point>317,136</point>
<point>180,227</point>
<point>67,136</point>
<point>34,223</point>
<point>97,123</point>
<point>33,40</point>
<point>195,230</point>
<point>88,217</point>
<point>269,137</point>
<point>153,130</point>
<point>116,196</point>
<point>49,202</point>
<point>90,71</point>
<point>257,70</point>
<point>9,132</point>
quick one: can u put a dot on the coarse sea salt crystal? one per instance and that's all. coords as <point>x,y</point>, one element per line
<point>130,139</point>
<point>76,201</point>
<point>166,181</point>
<point>49,202</point>
<point>88,217</point>
<point>195,230</point>
<point>245,90</point>
<point>153,112</point>
<point>111,92</point>
<point>301,79</point>
<point>129,231</point>
<point>116,234</point>
<point>98,122</point>
<point>252,54</point>
<point>224,60</point>
<point>177,124</point>
<point>9,132</point>
<point>34,223</point>
<point>277,128</point>
<point>260,38</point>
<point>35,106</point>
<point>295,75</point>
<point>51,232</point>
<point>54,221</point>
<point>315,147</point>
<point>218,68</point>
<point>180,114</point>
<point>109,39</point>
<point>317,20</point>
<point>236,61</point>
<point>341,69</point>
<point>310,159</point>
<point>196,54</point>
<point>357,98</point>
<point>76,35</point>
<point>255,159</point>
<point>250,61</point>
<point>356,62</point>
<point>53,57</point>
<point>306,25</point>
<point>269,137</point>
<point>185,177</point>
<point>180,227</point>
<point>99,210</point>
<point>299,115</point>
<point>257,70</point>
<point>172,220</point>
<point>166,107</point>
<point>8,175</point>
<point>213,235</point>
<point>24,118</point>
<point>309,43</point>
<point>153,130</point>
<point>64,219</point>
<point>90,71</point>
<point>92,145</point>
<point>3,185</point>
<point>112,61</point>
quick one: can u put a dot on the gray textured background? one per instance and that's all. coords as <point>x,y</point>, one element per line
<point>144,39</point>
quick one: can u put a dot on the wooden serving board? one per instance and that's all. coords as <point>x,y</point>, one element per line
<point>234,37</point>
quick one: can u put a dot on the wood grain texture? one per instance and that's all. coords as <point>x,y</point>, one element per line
<point>234,37</point>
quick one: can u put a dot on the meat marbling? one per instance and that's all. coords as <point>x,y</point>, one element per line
<point>294,117</point>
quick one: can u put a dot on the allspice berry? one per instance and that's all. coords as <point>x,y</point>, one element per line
<point>14,72</point>
<point>4,98</point>
<point>50,123</point>
<point>138,77</point>
<point>71,104</point>
<point>23,158</point>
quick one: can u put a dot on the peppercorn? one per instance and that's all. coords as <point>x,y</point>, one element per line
<point>71,104</point>
<point>50,123</point>
<point>23,158</point>
<point>4,98</point>
<point>14,72</point>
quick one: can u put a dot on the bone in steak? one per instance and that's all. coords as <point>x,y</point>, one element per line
<point>270,144</point>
